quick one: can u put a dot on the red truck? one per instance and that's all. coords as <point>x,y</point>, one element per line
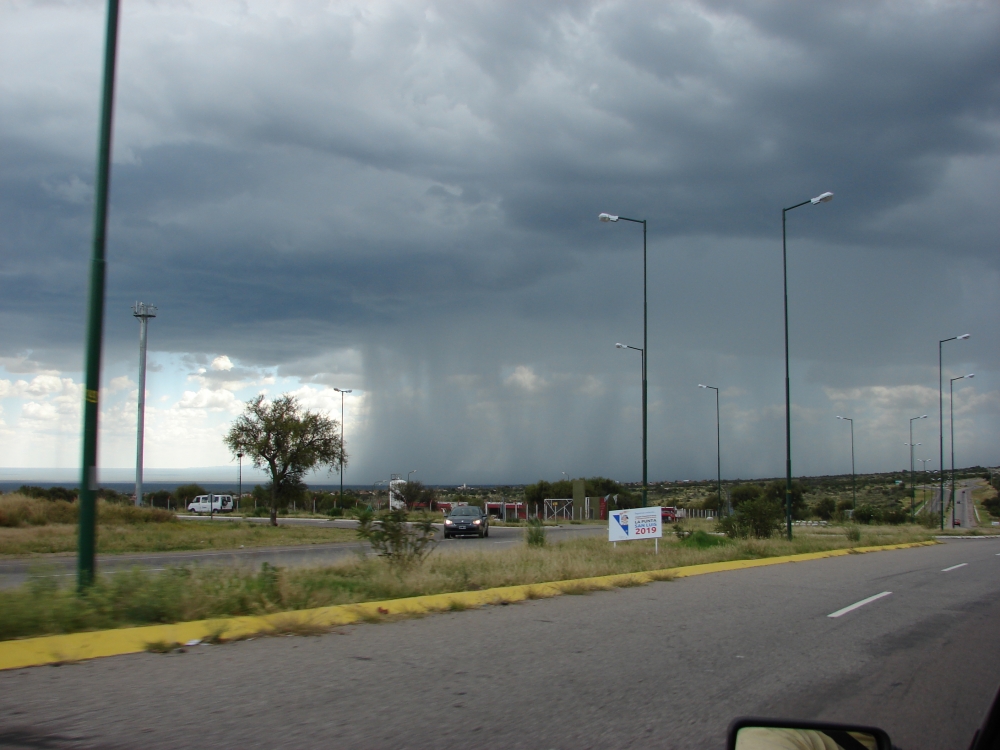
<point>668,514</point>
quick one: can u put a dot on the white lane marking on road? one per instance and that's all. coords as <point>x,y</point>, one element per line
<point>862,603</point>
<point>955,567</point>
<point>67,575</point>
<point>508,541</point>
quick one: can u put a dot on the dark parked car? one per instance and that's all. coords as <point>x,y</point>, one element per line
<point>466,520</point>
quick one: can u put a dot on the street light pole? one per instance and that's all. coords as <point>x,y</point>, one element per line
<point>643,353</point>
<point>342,391</point>
<point>718,442</point>
<point>823,198</point>
<point>951,423</point>
<point>86,565</point>
<point>913,493</point>
<point>854,486</point>
<point>941,343</point>
<point>645,340</point>
<point>143,312</point>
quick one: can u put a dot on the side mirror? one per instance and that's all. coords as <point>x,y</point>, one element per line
<point>781,734</point>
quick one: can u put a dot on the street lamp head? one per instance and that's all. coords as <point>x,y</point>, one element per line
<point>607,217</point>
<point>619,346</point>
<point>971,375</point>
<point>824,198</point>
<point>702,386</point>
<point>923,417</point>
<point>963,336</point>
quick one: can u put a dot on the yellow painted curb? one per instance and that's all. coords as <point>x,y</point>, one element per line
<point>54,649</point>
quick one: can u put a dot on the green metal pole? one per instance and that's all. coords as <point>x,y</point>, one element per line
<point>941,420</point>
<point>951,425</point>
<point>95,315</point>
<point>854,482</point>
<point>788,392</point>
<point>645,344</point>
<point>341,449</point>
<point>718,448</point>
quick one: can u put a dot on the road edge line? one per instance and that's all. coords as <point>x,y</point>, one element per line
<point>75,647</point>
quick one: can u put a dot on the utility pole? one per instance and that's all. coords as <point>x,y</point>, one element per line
<point>86,564</point>
<point>342,391</point>
<point>143,312</point>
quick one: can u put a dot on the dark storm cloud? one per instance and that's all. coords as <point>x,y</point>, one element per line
<point>420,183</point>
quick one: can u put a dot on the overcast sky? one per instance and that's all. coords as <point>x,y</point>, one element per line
<point>401,198</point>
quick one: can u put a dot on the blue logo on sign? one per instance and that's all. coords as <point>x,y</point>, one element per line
<point>622,519</point>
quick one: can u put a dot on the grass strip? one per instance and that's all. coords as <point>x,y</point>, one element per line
<point>181,594</point>
<point>74,647</point>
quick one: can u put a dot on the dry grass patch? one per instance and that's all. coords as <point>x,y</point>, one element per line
<point>115,536</point>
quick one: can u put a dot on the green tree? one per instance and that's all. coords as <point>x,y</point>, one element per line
<point>776,491</point>
<point>741,493</point>
<point>160,498</point>
<point>286,440</point>
<point>415,493</point>
<point>186,493</point>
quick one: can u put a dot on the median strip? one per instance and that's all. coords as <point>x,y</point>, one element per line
<point>61,649</point>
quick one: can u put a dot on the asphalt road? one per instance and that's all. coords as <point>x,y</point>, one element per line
<point>965,512</point>
<point>15,571</point>
<point>664,665</point>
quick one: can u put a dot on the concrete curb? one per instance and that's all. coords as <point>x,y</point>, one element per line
<point>61,649</point>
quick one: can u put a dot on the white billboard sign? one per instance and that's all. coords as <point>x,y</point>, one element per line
<point>634,523</point>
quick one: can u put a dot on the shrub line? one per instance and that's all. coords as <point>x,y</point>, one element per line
<point>74,647</point>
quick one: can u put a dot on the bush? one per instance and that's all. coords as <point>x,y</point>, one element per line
<point>825,508</point>
<point>403,543</point>
<point>711,501</point>
<point>992,504</point>
<point>853,533</point>
<point>18,510</point>
<point>867,513</point>
<point>534,535</point>
<point>759,518</point>
<point>702,540</point>
<point>895,515</point>
<point>929,520</point>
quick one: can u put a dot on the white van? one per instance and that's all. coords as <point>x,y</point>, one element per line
<point>220,504</point>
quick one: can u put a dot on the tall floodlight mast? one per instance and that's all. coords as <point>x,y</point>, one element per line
<point>143,312</point>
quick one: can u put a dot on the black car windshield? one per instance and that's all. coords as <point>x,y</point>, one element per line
<point>465,510</point>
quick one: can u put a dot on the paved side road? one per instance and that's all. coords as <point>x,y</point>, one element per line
<point>665,665</point>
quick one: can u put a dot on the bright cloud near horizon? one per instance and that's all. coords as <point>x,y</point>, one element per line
<point>401,198</point>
